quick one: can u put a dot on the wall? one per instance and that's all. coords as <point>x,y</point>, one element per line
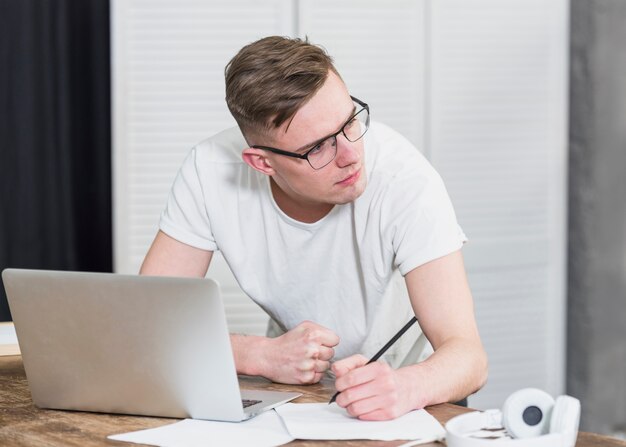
<point>597,216</point>
<point>479,86</point>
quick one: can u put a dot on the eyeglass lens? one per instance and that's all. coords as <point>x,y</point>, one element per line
<point>325,152</point>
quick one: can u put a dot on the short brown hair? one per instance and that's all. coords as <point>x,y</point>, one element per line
<point>269,80</point>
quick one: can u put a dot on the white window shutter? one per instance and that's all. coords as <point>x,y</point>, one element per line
<point>497,114</point>
<point>478,85</point>
<point>378,48</point>
<point>168,60</point>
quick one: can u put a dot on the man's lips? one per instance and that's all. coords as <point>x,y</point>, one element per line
<point>351,179</point>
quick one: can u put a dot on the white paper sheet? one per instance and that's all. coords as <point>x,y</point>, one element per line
<point>323,421</point>
<point>8,340</point>
<point>7,334</point>
<point>264,430</point>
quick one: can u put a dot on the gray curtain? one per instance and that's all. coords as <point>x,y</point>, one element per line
<point>55,139</point>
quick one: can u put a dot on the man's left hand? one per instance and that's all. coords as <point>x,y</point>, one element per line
<point>373,392</point>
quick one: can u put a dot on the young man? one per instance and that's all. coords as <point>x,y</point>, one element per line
<point>317,211</point>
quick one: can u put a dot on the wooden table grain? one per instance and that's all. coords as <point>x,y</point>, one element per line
<point>22,424</point>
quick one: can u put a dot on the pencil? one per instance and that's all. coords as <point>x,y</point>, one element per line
<point>383,349</point>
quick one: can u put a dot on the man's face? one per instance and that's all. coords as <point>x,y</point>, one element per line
<point>344,178</point>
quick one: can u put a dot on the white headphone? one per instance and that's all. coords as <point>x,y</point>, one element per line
<point>529,417</point>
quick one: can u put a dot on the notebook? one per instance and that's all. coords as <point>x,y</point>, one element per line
<point>104,342</point>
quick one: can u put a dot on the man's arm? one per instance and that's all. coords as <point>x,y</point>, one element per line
<point>299,356</point>
<point>442,301</point>
<point>169,257</point>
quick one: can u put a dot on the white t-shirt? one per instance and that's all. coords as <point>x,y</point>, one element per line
<point>337,271</point>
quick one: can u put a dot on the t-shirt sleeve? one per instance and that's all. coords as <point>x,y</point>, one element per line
<point>185,217</point>
<point>423,224</point>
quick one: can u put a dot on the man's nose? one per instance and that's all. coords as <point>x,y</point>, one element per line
<point>347,152</point>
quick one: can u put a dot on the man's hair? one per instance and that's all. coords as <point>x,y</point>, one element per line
<point>269,80</point>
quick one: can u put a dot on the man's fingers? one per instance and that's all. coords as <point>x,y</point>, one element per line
<point>303,353</point>
<point>317,377</point>
<point>381,414</point>
<point>329,338</point>
<point>361,375</point>
<point>318,334</point>
<point>343,366</point>
<point>354,394</point>
<point>364,406</point>
<point>311,377</point>
<point>325,353</point>
<point>321,366</point>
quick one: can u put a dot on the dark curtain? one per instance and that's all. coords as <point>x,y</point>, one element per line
<point>55,138</point>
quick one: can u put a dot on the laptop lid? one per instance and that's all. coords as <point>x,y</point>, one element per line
<point>156,346</point>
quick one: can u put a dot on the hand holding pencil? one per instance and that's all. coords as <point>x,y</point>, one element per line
<point>368,389</point>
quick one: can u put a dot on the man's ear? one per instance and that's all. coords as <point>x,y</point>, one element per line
<point>257,159</point>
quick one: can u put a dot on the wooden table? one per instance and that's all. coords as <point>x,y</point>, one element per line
<point>22,424</point>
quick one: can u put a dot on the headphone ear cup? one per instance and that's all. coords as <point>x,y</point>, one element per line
<point>565,418</point>
<point>527,413</point>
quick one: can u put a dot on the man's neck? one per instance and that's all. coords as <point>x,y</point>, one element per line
<point>302,212</point>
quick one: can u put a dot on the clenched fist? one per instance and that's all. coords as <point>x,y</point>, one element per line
<point>301,355</point>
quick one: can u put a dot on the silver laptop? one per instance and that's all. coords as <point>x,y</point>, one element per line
<point>104,342</point>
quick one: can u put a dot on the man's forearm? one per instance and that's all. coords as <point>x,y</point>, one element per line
<point>456,369</point>
<point>248,353</point>
<point>300,356</point>
<point>441,297</point>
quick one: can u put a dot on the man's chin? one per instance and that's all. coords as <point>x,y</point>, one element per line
<point>354,193</point>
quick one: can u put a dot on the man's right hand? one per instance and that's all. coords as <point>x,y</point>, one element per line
<point>299,356</point>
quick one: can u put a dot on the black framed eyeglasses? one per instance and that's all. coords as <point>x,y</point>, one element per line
<point>324,151</point>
